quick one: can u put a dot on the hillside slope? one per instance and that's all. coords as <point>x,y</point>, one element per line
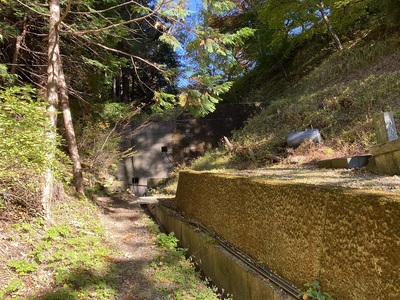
<point>339,97</point>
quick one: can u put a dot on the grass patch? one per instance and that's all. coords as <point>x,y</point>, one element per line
<point>176,276</point>
<point>64,260</point>
<point>339,97</point>
<point>211,161</point>
<point>69,259</point>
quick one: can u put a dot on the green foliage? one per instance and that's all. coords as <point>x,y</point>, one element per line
<point>26,146</point>
<point>12,287</point>
<point>100,152</point>
<point>71,250</point>
<point>175,276</point>
<point>5,77</point>
<point>167,242</point>
<point>113,112</point>
<point>78,264</point>
<point>170,40</point>
<point>22,267</point>
<point>201,103</point>
<point>212,60</point>
<point>58,231</point>
<point>314,292</point>
<point>164,102</point>
<point>23,127</point>
<point>214,160</point>
<point>141,10</point>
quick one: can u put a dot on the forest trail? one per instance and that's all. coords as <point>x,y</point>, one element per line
<point>129,235</point>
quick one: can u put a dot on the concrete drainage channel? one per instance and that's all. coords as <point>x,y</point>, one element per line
<point>229,269</point>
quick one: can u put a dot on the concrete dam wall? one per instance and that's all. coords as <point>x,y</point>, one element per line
<point>347,239</point>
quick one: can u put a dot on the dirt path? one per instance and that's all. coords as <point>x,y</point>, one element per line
<point>128,234</point>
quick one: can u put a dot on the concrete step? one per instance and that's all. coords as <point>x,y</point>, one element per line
<point>355,162</point>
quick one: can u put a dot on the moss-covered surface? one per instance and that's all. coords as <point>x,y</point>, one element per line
<point>347,239</point>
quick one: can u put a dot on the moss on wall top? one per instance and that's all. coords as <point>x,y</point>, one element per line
<point>346,238</point>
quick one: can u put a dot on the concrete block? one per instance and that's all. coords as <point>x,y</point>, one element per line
<point>222,274</point>
<point>258,290</point>
<point>186,232</point>
<point>240,289</point>
<point>387,157</point>
<point>361,247</point>
<point>347,238</point>
<point>197,246</point>
<point>340,163</point>
<point>385,127</point>
<point>325,164</point>
<point>359,161</point>
<point>350,162</point>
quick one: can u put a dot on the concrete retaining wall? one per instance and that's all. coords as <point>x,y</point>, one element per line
<point>225,271</point>
<point>347,239</point>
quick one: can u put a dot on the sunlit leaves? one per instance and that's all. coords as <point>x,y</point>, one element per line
<point>212,54</point>
<point>140,10</point>
<point>177,12</point>
<point>219,7</point>
<point>24,127</point>
<point>170,40</point>
<point>164,101</point>
<point>238,38</point>
<point>204,99</point>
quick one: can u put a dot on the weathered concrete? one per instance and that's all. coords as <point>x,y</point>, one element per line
<point>225,271</point>
<point>153,161</point>
<point>354,162</point>
<point>347,239</point>
<point>387,157</point>
<point>385,127</point>
<point>159,145</point>
<point>386,154</point>
<point>146,200</point>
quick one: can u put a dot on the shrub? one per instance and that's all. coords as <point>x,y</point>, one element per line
<point>25,148</point>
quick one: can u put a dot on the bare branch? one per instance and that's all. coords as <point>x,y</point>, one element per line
<point>105,10</point>
<point>154,65</point>
<point>99,30</point>
<point>138,77</point>
<point>32,9</point>
<point>67,9</point>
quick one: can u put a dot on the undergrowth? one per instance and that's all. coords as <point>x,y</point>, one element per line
<point>65,259</point>
<point>69,259</point>
<point>176,276</point>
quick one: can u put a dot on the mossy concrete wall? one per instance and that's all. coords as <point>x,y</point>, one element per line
<point>347,239</point>
<point>226,272</point>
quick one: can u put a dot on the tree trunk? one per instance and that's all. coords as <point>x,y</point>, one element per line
<point>52,96</point>
<point>321,8</point>
<point>18,43</point>
<point>133,86</point>
<point>125,86</point>
<point>70,132</point>
<point>118,88</point>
